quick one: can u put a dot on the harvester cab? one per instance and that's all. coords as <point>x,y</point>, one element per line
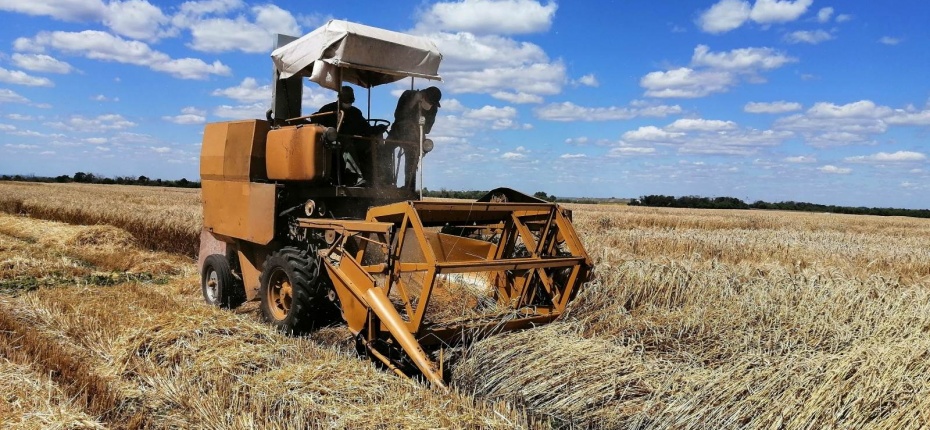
<point>408,277</point>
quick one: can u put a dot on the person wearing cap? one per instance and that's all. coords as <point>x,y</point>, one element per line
<point>353,124</point>
<point>412,105</point>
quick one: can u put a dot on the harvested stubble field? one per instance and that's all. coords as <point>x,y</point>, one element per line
<point>697,319</point>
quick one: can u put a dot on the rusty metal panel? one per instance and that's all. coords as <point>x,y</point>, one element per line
<point>350,282</point>
<point>245,150</point>
<point>251,264</point>
<point>346,225</point>
<point>234,150</point>
<point>243,210</point>
<point>212,150</point>
<point>296,154</point>
<point>457,248</point>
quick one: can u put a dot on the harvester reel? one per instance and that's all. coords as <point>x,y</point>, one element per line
<point>291,290</point>
<point>218,284</point>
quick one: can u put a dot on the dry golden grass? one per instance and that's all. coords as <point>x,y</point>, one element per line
<point>155,360</point>
<point>697,319</point>
<point>753,320</point>
<point>101,246</point>
<point>135,354</point>
<point>32,400</point>
<point>162,219</point>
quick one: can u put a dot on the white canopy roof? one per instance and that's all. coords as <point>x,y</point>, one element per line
<point>363,55</point>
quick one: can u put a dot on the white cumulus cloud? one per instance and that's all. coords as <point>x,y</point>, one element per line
<point>701,136</point>
<point>812,37</point>
<point>577,140</point>
<point>241,34</point>
<point>742,59</point>
<point>588,80</point>
<point>500,118</point>
<point>248,91</point>
<point>885,157</point>
<point>771,107</point>
<point>829,168</point>
<point>824,14</point>
<point>189,115</point>
<point>801,159</point>
<point>685,82</point>
<point>909,116</point>
<point>727,15</point>
<point>859,109</point>
<point>568,111</point>
<point>18,77</point>
<point>713,72</point>
<point>490,113</point>
<point>651,133</point>
<point>724,16</point>
<point>41,63</point>
<point>888,40</point>
<point>103,98</point>
<point>100,122</point>
<point>537,79</point>
<point>492,64</point>
<point>64,10</point>
<point>771,11</point>
<point>192,10</point>
<point>828,124</point>
<point>517,98</point>
<point>489,16</point>
<point>137,19</point>
<point>254,110</point>
<point>625,150</point>
<point>99,45</point>
<point>698,124</point>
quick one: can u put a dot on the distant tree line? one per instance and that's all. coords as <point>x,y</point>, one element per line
<point>690,202</point>
<point>90,178</point>
<point>696,202</point>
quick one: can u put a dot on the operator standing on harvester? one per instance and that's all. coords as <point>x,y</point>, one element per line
<point>410,278</point>
<point>412,106</point>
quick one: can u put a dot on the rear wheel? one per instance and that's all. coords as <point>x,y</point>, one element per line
<point>291,292</point>
<point>218,284</point>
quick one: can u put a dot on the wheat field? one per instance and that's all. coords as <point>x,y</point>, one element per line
<point>695,319</point>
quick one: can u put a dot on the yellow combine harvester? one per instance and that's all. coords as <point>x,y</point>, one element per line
<point>409,277</point>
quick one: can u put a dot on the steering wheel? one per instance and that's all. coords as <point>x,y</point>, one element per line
<point>374,122</point>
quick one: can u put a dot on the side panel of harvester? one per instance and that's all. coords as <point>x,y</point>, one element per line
<point>235,208</point>
<point>245,166</point>
<point>233,154</point>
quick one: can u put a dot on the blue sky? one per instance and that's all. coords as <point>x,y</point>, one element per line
<point>805,100</point>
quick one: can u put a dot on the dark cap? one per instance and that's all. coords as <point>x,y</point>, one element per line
<point>347,94</point>
<point>433,95</point>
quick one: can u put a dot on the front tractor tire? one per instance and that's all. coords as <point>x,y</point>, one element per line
<point>218,284</point>
<point>291,292</point>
